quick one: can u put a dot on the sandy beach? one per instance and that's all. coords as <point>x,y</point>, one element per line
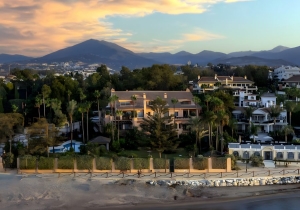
<point>66,192</point>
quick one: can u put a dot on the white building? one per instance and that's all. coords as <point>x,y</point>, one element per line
<point>285,72</point>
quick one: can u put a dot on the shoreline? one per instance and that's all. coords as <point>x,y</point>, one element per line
<point>32,192</point>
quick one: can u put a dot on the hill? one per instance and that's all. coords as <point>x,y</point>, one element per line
<point>6,58</point>
<point>94,51</point>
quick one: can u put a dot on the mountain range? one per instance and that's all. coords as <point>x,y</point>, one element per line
<point>115,56</point>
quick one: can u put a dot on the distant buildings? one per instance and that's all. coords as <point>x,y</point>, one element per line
<point>285,72</point>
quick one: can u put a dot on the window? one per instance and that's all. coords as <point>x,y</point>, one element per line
<point>140,113</point>
<point>185,102</point>
<point>236,153</point>
<point>279,155</point>
<point>176,114</point>
<point>291,156</point>
<point>125,103</point>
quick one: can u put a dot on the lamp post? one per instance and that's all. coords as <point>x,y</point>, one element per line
<point>246,153</point>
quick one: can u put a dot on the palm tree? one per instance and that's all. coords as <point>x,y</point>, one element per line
<point>71,109</point>
<point>197,101</point>
<point>38,103</point>
<point>81,109</point>
<point>248,112</point>
<point>291,106</point>
<point>288,129</point>
<point>197,125</point>
<point>222,119</point>
<point>112,100</point>
<point>253,130</point>
<point>82,96</point>
<point>119,113</point>
<point>274,112</point>
<point>207,99</point>
<point>87,106</point>
<point>174,101</point>
<point>233,125</point>
<point>209,118</point>
<point>46,91</point>
<point>133,99</point>
<point>69,92</point>
<point>97,95</point>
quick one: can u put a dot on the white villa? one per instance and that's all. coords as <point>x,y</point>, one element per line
<point>268,152</point>
<point>285,72</point>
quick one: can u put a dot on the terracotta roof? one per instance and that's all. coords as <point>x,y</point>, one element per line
<point>223,78</point>
<point>295,78</point>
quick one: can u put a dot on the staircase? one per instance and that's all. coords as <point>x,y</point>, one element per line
<point>269,164</point>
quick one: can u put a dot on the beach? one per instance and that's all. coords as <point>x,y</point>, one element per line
<point>82,192</point>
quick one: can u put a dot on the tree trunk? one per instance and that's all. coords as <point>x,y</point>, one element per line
<point>217,139</point>
<point>82,126</point>
<point>39,112</point>
<point>53,149</point>
<point>44,106</point>
<point>87,126</point>
<point>285,137</point>
<point>98,116</point>
<point>290,118</point>
<point>71,125</point>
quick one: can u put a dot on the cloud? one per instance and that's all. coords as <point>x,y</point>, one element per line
<point>37,27</point>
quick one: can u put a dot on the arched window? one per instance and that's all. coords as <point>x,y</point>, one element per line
<point>256,154</point>
<point>279,155</point>
<point>236,153</point>
<point>291,156</point>
<point>246,155</point>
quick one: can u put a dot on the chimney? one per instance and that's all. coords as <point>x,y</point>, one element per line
<point>112,90</point>
<point>144,95</point>
<point>216,76</point>
<point>226,81</point>
<point>199,77</point>
<point>245,77</point>
<point>165,95</point>
<point>231,77</point>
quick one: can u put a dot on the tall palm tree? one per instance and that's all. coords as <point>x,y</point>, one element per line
<point>253,130</point>
<point>38,103</point>
<point>207,99</point>
<point>71,109</point>
<point>82,96</point>
<point>87,106</point>
<point>97,95</point>
<point>274,112</point>
<point>209,118</point>
<point>233,125</point>
<point>119,113</point>
<point>222,120</point>
<point>174,101</point>
<point>248,112</point>
<point>112,100</point>
<point>82,109</point>
<point>133,99</point>
<point>197,125</point>
<point>288,129</point>
<point>197,101</point>
<point>291,107</point>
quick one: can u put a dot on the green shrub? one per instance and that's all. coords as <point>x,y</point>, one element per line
<point>84,162</point>
<point>219,163</point>
<point>200,163</point>
<point>123,163</point>
<point>103,163</point>
<point>161,163</point>
<point>256,161</point>
<point>46,163</point>
<point>181,163</point>
<point>27,162</point>
<point>65,162</point>
<point>141,163</point>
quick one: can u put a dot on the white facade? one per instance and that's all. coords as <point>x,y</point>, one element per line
<point>285,72</point>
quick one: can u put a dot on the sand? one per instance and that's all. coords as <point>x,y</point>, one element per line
<point>66,192</point>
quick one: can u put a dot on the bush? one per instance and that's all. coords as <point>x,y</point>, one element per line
<point>27,162</point>
<point>219,163</point>
<point>84,162</point>
<point>103,163</point>
<point>181,163</point>
<point>115,146</point>
<point>161,163</point>
<point>123,163</point>
<point>46,163</point>
<point>65,162</point>
<point>141,163</point>
<point>256,161</point>
<point>200,163</point>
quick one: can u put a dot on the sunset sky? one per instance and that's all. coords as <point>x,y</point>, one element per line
<point>39,27</point>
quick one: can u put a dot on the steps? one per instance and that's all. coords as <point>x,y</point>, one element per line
<point>269,164</point>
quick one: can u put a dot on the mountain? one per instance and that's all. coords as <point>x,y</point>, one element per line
<point>279,48</point>
<point>94,51</point>
<point>291,55</point>
<point>183,57</point>
<point>6,58</point>
<point>251,60</point>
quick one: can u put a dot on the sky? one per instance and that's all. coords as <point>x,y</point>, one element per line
<point>39,27</point>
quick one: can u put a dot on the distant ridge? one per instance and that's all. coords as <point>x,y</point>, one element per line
<point>6,58</point>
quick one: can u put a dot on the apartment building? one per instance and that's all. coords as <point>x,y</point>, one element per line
<point>285,72</point>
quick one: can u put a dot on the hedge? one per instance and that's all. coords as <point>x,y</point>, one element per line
<point>122,163</point>
<point>200,163</point>
<point>84,162</point>
<point>141,163</point>
<point>65,162</point>
<point>219,163</point>
<point>103,163</point>
<point>181,163</point>
<point>161,163</point>
<point>28,162</point>
<point>46,163</point>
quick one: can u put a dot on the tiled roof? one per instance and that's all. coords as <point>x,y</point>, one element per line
<point>268,95</point>
<point>223,78</point>
<point>295,78</point>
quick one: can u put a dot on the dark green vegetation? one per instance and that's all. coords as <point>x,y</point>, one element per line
<point>41,102</point>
